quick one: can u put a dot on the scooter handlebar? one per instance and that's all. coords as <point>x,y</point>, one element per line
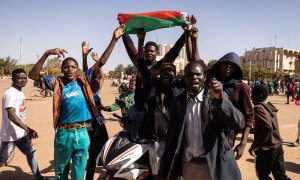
<point>117,116</point>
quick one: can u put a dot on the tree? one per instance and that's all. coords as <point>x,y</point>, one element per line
<point>277,75</point>
<point>8,65</point>
<point>130,69</point>
<point>118,70</point>
<point>1,71</point>
<point>261,73</point>
<point>53,67</point>
<point>211,63</point>
<point>111,74</point>
<point>246,70</point>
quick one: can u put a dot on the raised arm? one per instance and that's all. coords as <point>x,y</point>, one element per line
<point>193,36</point>
<point>101,78</point>
<point>100,72</point>
<point>188,42</point>
<point>145,73</point>
<point>174,51</point>
<point>130,48</point>
<point>85,47</point>
<point>34,73</point>
<point>195,56</point>
<point>141,36</point>
<point>188,46</point>
<point>103,59</point>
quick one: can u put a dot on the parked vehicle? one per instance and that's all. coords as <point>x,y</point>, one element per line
<point>124,158</point>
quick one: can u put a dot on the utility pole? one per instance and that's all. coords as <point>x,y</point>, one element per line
<point>20,53</point>
<point>249,63</point>
<point>250,70</point>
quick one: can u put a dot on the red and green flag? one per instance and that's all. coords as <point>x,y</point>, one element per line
<point>150,21</point>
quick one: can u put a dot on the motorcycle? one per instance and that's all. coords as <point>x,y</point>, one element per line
<point>124,158</point>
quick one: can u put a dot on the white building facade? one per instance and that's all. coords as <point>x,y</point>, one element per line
<point>275,59</point>
<point>180,61</point>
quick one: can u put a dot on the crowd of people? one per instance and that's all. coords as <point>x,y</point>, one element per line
<point>194,120</point>
<point>289,86</point>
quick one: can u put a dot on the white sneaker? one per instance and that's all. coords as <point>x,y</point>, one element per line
<point>296,143</point>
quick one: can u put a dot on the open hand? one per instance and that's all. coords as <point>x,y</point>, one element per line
<point>56,51</point>
<point>95,56</point>
<point>119,31</point>
<point>86,48</point>
<point>239,150</point>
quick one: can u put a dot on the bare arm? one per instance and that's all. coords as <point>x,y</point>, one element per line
<point>188,46</point>
<point>101,78</point>
<point>103,59</point>
<point>191,41</point>
<point>85,51</point>
<point>34,73</point>
<point>174,51</point>
<point>15,119</point>
<point>195,56</point>
<point>100,73</point>
<point>188,42</point>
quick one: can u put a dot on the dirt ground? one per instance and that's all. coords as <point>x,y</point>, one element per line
<point>39,117</point>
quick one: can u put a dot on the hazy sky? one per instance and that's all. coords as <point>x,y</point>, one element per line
<point>224,25</point>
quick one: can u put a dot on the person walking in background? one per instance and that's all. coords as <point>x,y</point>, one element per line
<point>267,143</point>
<point>283,85</point>
<point>270,85</point>
<point>228,70</point>
<point>289,91</point>
<point>14,131</point>
<point>276,87</point>
<point>196,146</point>
<point>295,89</point>
<point>296,143</point>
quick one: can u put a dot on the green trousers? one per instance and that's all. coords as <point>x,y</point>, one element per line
<point>71,144</point>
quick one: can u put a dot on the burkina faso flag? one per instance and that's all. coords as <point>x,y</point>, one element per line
<point>150,21</point>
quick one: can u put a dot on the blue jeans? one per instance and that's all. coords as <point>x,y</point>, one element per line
<point>71,144</point>
<point>25,146</point>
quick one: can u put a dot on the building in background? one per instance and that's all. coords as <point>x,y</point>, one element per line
<point>275,59</point>
<point>180,61</point>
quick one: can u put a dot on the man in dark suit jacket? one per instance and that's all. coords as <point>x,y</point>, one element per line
<point>196,146</point>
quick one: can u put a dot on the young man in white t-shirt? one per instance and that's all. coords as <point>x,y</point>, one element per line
<point>14,131</point>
